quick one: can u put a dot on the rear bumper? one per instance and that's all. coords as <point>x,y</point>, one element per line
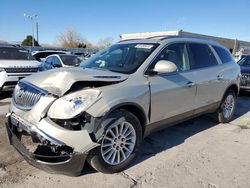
<point>67,162</point>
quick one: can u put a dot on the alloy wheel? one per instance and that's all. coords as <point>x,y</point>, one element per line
<point>228,106</point>
<point>118,143</point>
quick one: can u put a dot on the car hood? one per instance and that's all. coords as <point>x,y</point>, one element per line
<point>245,69</point>
<point>18,63</point>
<point>59,81</point>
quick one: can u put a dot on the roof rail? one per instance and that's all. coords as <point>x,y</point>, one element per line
<point>127,40</point>
<point>164,37</point>
<point>185,36</point>
<point>158,36</point>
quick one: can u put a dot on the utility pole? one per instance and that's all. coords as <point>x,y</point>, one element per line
<point>37,32</point>
<point>31,17</point>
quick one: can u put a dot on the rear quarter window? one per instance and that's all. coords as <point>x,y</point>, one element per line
<point>223,54</point>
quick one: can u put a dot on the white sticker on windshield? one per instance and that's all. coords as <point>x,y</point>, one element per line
<point>144,46</point>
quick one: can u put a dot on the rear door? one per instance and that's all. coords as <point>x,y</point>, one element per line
<point>209,75</point>
<point>173,95</point>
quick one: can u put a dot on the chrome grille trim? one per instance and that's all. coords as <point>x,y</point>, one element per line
<point>245,76</point>
<point>21,69</point>
<point>26,95</point>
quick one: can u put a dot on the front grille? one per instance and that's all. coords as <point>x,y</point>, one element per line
<point>27,95</point>
<point>20,69</point>
<point>245,79</point>
<point>245,76</point>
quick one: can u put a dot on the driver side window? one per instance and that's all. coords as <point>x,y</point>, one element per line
<point>56,62</point>
<point>49,60</point>
<point>176,53</point>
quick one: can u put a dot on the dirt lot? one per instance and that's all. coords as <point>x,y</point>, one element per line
<point>197,153</point>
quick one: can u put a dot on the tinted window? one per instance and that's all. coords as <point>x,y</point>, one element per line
<point>201,56</point>
<point>70,60</point>
<point>49,60</point>
<point>245,61</point>
<point>14,54</point>
<point>224,54</point>
<point>124,58</point>
<point>56,61</point>
<point>176,53</point>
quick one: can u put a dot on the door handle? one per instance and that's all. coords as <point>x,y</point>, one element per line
<point>190,84</point>
<point>220,77</point>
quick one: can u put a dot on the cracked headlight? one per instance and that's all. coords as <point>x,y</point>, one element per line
<point>73,104</point>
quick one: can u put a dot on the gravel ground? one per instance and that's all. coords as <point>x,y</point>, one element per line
<point>196,153</point>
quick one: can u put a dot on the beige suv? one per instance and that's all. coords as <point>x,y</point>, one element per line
<point>101,111</point>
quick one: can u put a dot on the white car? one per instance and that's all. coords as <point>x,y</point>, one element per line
<point>15,64</point>
<point>60,60</point>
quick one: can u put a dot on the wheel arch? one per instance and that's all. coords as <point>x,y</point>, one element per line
<point>233,87</point>
<point>135,109</point>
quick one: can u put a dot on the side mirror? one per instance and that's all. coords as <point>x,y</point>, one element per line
<point>164,66</point>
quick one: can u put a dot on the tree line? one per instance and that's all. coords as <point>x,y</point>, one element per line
<point>70,38</point>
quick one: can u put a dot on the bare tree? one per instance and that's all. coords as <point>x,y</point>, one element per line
<point>71,39</point>
<point>103,43</point>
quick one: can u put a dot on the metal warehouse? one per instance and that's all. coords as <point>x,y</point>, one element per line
<point>233,45</point>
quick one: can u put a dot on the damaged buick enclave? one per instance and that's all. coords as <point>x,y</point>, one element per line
<point>101,111</point>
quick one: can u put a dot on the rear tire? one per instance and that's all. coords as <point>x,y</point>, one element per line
<point>122,135</point>
<point>227,108</point>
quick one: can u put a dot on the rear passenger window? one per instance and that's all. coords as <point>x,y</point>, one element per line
<point>201,56</point>
<point>224,54</point>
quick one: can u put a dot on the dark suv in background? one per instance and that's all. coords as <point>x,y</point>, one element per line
<point>245,73</point>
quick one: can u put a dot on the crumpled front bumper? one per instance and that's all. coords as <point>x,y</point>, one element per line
<point>68,161</point>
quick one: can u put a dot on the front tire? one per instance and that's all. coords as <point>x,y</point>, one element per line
<point>227,108</point>
<point>122,135</point>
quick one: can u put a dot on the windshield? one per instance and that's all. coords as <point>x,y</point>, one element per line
<point>245,61</point>
<point>14,54</point>
<point>70,60</point>
<point>123,58</point>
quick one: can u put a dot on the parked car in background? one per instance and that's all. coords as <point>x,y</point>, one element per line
<point>42,54</point>
<point>15,64</point>
<point>101,112</point>
<point>245,72</point>
<point>57,61</point>
<point>239,57</point>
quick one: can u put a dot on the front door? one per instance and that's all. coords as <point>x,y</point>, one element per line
<point>173,94</point>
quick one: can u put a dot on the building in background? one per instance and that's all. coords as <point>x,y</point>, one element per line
<point>233,45</point>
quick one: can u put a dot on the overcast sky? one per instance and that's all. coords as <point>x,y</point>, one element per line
<point>109,18</point>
